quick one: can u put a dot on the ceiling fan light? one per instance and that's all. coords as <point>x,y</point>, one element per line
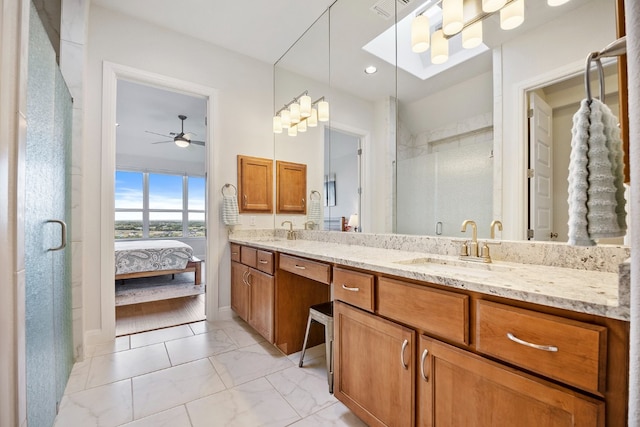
<point>420,34</point>
<point>312,121</point>
<point>181,141</point>
<point>285,119</point>
<point>294,111</point>
<point>490,6</point>
<point>472,35</point>
<point>439,48</point>
<point>323,111</point>
<point>512,15</point>
<point>452,16</point>
<point>277,124</point>
<point>305,106</point>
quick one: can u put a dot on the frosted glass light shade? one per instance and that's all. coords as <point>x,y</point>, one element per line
<point>420,34</point>
<point>285,119</point>
<point>302,126</point>
<point>294,111</point>
<point>354,222</point>
<point>312,121</point>
<point>472,36</point>
<point>452,19</point>
<point>492,5</point>
<point>182,142</point>
<point>554,3</point>
<point>323,111</point>
<point>277,124</point>
<point>512,15</point>
<point>439,48</point>
<point>305,106</point>
<point>293,131</point>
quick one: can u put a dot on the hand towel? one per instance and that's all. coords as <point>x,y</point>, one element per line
<point>230,210</point>
<point>315,211</point>
<point>596,190</point>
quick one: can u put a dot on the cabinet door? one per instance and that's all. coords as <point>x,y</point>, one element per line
<point>458,388</point>
<point>262,301</point>
<point>240,290</point>
<point>291,187</point>
<point>255,184</point>
<point>373,367</point>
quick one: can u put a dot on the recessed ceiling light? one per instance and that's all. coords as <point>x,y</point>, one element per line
<point>370,69</point>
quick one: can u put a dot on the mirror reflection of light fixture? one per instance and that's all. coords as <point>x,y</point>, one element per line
<point>354,222</point>
<point>452,20</point>
<point>490,6</point>
<point>439,48</point>
<point>420,31</point>
<point>300,113</point>
<point>512,15</point>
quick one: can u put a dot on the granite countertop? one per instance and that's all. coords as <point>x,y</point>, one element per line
<point>592,292</point>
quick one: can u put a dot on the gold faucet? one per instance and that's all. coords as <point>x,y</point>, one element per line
<point>484,252</point>
<point>495,223</point>
<point>473,247</point>
<point>311,223</point>
<point>291,235</point>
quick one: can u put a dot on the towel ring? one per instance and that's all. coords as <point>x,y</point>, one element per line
<point>315,192</point>
<point>594,56</point>
<point>235,190</point>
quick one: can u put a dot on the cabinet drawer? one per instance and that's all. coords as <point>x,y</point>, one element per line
<point>264,261</point>
<point>303,267</point>
<point>235,252</point>
<point>354,288</point>
<point>444,314</point>
<point>563,349</point>
<point>248,256</point>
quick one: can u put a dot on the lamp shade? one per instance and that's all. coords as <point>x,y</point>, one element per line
<point>302,126</point>
<point>512,15</point>
<point>323,111</point>
<point>439,48</point>
<point>285,118</point>
<point>181,141</point>
<point>492,5</point>
<point>294,111</point>
<point>305,106</point>
<point>452,16</point>
<point>354,221</point>
<point>312,121</point>
<point>472,35</point>
<point>277,124</point>
<point>420,34</point>
<point>293,131</point>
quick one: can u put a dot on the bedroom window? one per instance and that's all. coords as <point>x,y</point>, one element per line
<point>157,206</point>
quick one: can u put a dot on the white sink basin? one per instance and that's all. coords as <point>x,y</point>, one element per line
<point>433,261</point>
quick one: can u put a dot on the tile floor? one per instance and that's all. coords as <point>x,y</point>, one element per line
<point>218,373</point>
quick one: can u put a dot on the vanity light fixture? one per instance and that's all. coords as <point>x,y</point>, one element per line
<point>300,113</point>
<point>453,22</point>
<point>371,69</point>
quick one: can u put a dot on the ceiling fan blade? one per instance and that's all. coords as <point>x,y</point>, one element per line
<point>161,142</point>
<point>156,133</point>
<point>197,142</point>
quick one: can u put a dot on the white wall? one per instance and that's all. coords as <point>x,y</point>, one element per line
<point>526,62</point>
<point>241,119</point>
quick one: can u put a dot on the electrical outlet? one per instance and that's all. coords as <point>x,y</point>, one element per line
<point>252,220</point>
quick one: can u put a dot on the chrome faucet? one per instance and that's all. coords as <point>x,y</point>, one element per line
<point>472,250</point>
<point>310,225</point>
<point>291,235</point>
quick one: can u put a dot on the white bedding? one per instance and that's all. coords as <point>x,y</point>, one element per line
<point>151,255</point>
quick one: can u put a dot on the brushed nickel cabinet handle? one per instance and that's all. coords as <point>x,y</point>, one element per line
<point>422,360</point>
<point>249,278</point>
<point>262,261</point>
<point>234,253</point>
<point>63,232</point>
<point>348,288</point>
<point>515,339</point>
<point>244,200</point>
<point>244,277</point>
<point>404,348</point>
<point>300,267</point>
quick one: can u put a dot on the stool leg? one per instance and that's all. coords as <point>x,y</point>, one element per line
<point>328,333</point>
<point>304,344</point>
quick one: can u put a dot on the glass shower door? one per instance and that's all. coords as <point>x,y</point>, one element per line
<point>49,350</point>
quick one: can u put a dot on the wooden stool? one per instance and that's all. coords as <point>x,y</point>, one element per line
<point>322,313</point>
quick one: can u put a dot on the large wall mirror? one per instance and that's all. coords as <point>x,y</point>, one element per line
<point>443,142</point>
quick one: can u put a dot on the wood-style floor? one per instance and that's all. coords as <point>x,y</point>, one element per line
<point>148,316</point>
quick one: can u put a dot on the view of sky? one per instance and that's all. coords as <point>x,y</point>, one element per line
<point>165,192</point>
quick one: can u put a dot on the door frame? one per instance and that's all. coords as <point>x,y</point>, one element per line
<point>113,72</point>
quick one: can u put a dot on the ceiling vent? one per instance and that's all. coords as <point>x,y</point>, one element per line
<point>385,8</point>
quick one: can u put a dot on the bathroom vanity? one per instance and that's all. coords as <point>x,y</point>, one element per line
<point>425,338</point>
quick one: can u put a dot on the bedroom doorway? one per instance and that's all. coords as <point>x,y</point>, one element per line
<point>159,207</point>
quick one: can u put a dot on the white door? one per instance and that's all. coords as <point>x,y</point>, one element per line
<point>540,169</point>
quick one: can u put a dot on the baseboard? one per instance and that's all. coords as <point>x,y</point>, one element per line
<point>225,313</point>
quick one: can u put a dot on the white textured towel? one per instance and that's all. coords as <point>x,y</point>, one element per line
<point>230,210</point>
<point>315,211</point>
<point>596,190</point>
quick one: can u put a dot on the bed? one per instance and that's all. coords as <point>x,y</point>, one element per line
<point>147,258</point>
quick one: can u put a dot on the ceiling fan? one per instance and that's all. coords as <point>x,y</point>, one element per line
<point>181,139</point>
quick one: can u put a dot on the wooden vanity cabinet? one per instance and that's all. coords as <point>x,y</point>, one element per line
<point>255,184</point>
<point>253,289</point>
<point>291,188</point>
